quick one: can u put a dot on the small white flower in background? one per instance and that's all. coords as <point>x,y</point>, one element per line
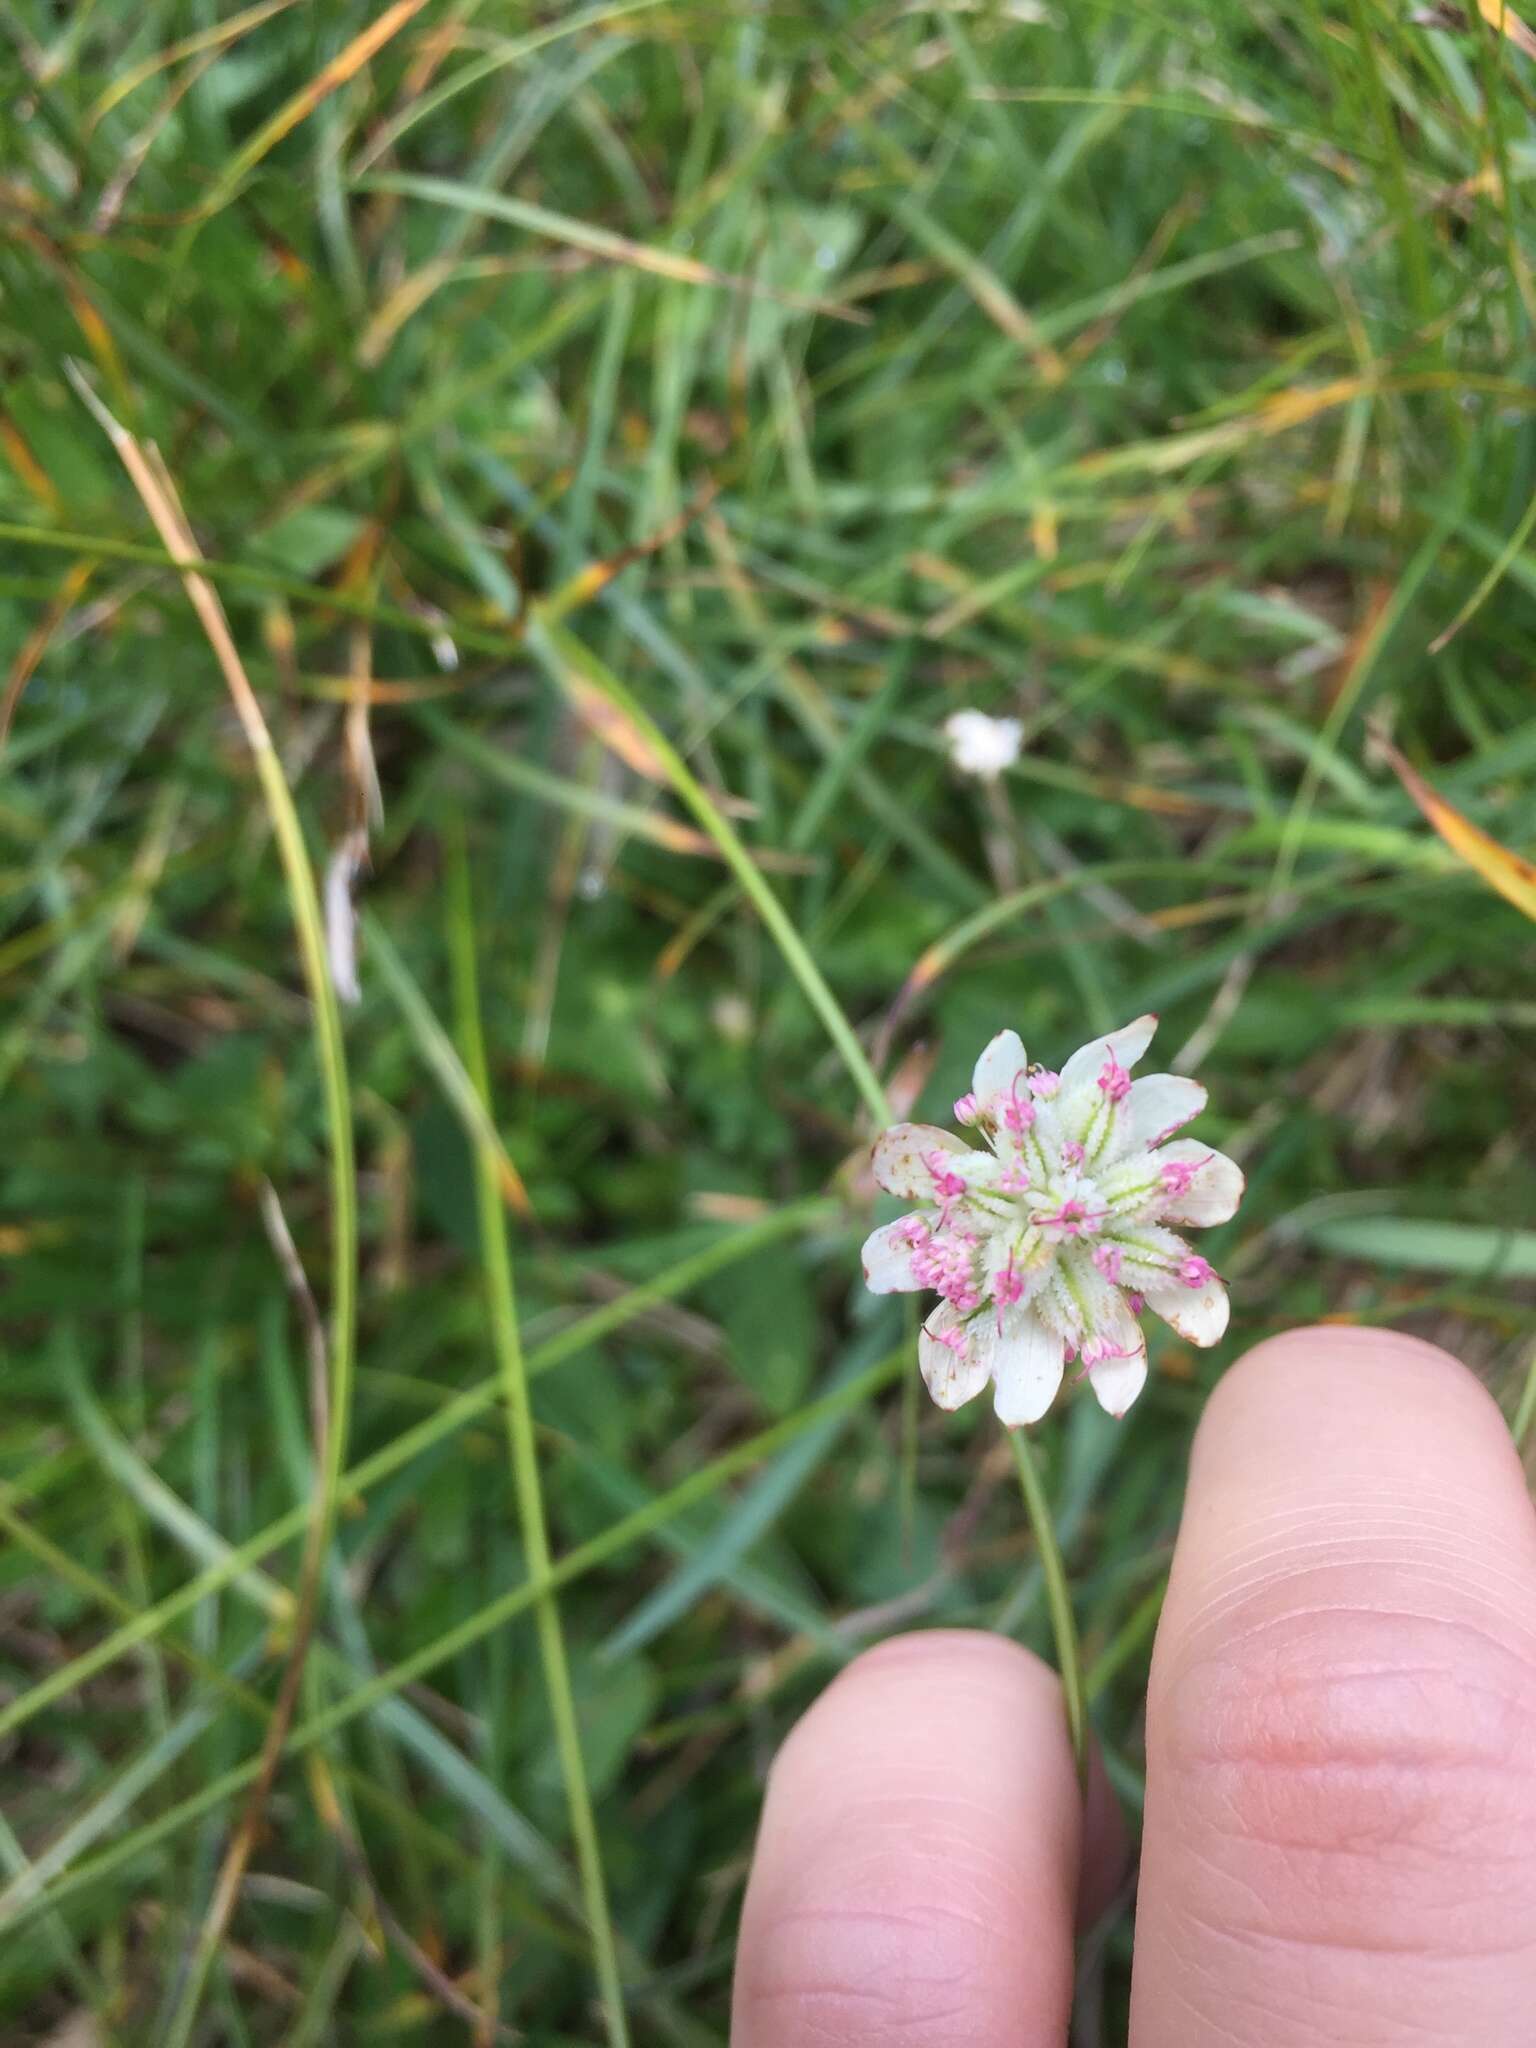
<point>982,745</point>
<point>732,1018</point>
<point>1048,1245</point>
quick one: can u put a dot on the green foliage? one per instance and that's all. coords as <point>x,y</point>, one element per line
<point>676,411</point>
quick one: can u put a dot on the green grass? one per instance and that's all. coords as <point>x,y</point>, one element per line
<point>675,411</point>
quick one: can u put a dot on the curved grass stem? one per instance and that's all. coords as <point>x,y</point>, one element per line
<point>153,483</point>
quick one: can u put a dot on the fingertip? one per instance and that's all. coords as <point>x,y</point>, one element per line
<point>918,1862</point>
<point>1309,1399</point>
<point>1340,1796</point>
<point>1308,1355</point>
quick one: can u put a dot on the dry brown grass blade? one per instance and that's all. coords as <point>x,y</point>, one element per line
<point>150,481</point>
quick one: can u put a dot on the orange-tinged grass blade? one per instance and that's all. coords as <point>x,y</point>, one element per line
<point>1511,874</point>
<point>591,580</point>
<point>344,65</point>
<point>1282,411</point>
<point>26,465</point>
<point>98,337</point>
<point>33,647</point>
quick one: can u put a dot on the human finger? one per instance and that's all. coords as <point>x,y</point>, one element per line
<point>1340,1836</point>
<point>917,1870</point>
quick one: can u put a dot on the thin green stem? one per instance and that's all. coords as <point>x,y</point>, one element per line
<point>565,656</point>
<point>523,1454</point>
<point>1525,1414</point>
<point>1058,1599</point>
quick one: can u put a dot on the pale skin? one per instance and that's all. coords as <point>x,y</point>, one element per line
<point>1340,1835</point>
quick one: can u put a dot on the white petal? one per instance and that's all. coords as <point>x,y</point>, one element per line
<point>887,1257</point>
<point>1214,1193</point>
<point>1127,1044</point>
<point>897,1160</point>
<point>1027,1366</point>
<point>1199,1314</point>
<point>952,1377</point>
<point>1117,1381</point>
<point>1157,1106</point>
<point>1056,1306</point>
<point>1000,1066</point>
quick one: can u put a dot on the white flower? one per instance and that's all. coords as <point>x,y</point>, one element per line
<point>1048,1245</point>
<point>982,745</point>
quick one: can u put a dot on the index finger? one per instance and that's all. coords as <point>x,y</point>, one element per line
<point>1341,1758</point>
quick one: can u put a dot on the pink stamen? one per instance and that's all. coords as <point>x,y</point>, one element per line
<point>1195,1271</point>
<point>1043,1085</point>
<point>967,1110</point>
<point>947,1263</point>
<point>1107,1258</point>
<point>1013,1180</point>
<point>1007,1288</point>
<point>1115,1081</point>
<point>1179,1174</point>
<point>945,1183</point>
<point>1073,1217</point>
<point>1136,1303</point>
<point>953,1339</point>
<point>1072,1153</point>
<point>1098,1349</point>
<point>1018,1110</point>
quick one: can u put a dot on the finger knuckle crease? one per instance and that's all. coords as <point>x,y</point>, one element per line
<point>1362,1732</point>
<point>863,1973</point>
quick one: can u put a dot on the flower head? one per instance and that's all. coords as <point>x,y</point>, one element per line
<point>1048,1245</point>
<point>982,745</point>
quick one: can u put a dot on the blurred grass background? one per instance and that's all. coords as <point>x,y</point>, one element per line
<point>570,402</point>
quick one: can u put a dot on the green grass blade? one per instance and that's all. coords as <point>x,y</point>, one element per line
<point>527,1486</point>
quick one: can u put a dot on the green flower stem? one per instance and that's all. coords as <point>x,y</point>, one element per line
<point>1525,1414</point>
<point>1057,1598</point>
